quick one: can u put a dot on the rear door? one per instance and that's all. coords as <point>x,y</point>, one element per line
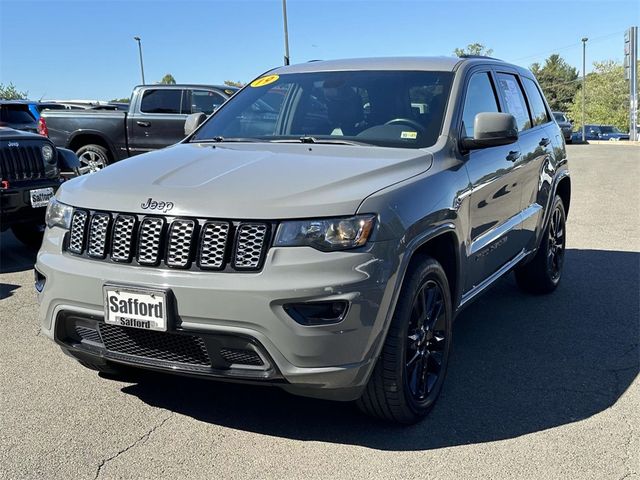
<point>539,164</point>
<point>158,120</point>
<point>494,212</point>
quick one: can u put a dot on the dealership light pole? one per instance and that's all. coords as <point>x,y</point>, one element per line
<point>137,39</point>
<point>286,32</point>
<point>584,88</point>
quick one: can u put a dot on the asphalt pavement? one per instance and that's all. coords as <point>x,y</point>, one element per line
<point>539,386</point>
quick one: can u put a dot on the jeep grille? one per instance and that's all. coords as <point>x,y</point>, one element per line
<point>183,243</point>
<point>23,162</point>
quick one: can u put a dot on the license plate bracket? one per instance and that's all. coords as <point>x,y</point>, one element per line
<point>136,307</point>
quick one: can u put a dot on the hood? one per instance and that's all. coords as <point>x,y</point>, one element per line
<point>247,181</point>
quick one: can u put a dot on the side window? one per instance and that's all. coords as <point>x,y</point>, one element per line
<point>514,99</point>
<point>205,101</point>
<point>480,98</point>
<point>161,101</point>
<point>538,110</point>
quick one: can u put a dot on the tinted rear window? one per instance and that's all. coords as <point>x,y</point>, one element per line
<point>161,101</point>
<point>16,114</point>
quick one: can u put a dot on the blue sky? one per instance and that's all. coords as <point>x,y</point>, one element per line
<point>85,48</point>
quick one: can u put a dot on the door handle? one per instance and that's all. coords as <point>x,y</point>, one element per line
<point>513,155</point>
<point>544,142</point>
<point>143,124</point>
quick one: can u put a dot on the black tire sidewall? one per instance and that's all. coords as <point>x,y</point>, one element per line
<point>544,247</point>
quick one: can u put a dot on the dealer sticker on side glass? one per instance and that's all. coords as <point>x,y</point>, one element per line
<point>136,308</point>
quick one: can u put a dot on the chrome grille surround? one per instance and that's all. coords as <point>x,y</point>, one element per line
<point>180,241</point>
<point>250,245</point>
<point>149,239</point>
<point>169,242</point>
<point>121,238</point>
<point>213,245</point>
<point>98,229</point>
<point>78,228</point>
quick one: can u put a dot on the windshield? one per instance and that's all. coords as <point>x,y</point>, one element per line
<point>386,108</point>
<point>560,117</point>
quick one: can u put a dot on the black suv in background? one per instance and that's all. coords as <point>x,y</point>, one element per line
<point>30,173</point>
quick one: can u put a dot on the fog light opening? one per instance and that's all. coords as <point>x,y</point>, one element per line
<point>317,313</point>
<point>39,280</point>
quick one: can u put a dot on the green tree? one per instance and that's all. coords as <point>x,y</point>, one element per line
<point>231,83</point>
<point>473,49</point>
<point>168,80</point>
<point>10,92</point>
<point>558,81</point>
<point>607,97</point>
<point>121,100</point>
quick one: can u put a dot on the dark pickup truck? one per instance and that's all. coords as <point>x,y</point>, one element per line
<point>155,120</point>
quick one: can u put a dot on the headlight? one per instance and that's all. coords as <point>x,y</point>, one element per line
<point>326,233</point>
<point>58,214</point>
<point>47,153</point>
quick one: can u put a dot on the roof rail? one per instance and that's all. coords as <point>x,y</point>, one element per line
<point>481,56</point>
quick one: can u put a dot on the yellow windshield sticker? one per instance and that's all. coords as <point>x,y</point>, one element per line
<point>262,81</point>
<point>411,135</point>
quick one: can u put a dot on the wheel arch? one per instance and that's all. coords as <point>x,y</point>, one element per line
<point>88,137</point>
<point>563,189</point>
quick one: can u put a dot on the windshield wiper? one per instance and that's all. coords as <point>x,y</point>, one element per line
<point>328,141</point>
<point>220,139</point>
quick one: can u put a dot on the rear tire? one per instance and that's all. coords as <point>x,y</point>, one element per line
<point>544,272</point>
<point>110,370</point>
<point>92,158</point>
<point>410,371</point>
<point>29,233</point>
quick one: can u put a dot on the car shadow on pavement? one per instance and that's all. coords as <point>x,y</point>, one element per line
<point>14,256</point>
<point>521,364</point>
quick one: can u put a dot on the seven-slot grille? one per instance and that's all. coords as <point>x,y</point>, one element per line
<point>176,242</point>
<point>22,162</point>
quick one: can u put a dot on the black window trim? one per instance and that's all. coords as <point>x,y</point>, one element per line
<point>544,101</point>
<point>487,69</point>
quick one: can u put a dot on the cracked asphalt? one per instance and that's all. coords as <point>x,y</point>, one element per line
<point>538,387</point>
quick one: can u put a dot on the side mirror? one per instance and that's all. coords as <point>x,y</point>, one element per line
<point>68,161</point>
<point>492,130</point>
<point>192,122</point>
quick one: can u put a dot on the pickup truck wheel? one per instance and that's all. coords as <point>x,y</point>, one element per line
<point>543,273</point>
<point>29,233</point>
<point>92,158</point>
<point>409,373</point>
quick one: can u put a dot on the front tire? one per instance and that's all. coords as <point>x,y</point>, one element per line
<point>544,272</point>
<point>92,158</point>
<point>29,233</point>
<point>410,371</point>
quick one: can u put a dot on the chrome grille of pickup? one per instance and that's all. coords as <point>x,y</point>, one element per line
<point>177,243</point>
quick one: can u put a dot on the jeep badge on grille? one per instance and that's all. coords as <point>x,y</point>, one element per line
<point>152,204</point>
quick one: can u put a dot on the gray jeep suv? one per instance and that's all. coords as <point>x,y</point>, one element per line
<point>319,232</point>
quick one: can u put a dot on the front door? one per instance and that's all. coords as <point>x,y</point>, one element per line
<point>159,119</point>
<point>494,211</point>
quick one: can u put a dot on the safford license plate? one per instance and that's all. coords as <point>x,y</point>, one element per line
<point>136,308</point>
<point>40,197</point>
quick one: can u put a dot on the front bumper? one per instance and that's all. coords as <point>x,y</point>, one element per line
<point>327,361</point>
<point>15,202</point>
